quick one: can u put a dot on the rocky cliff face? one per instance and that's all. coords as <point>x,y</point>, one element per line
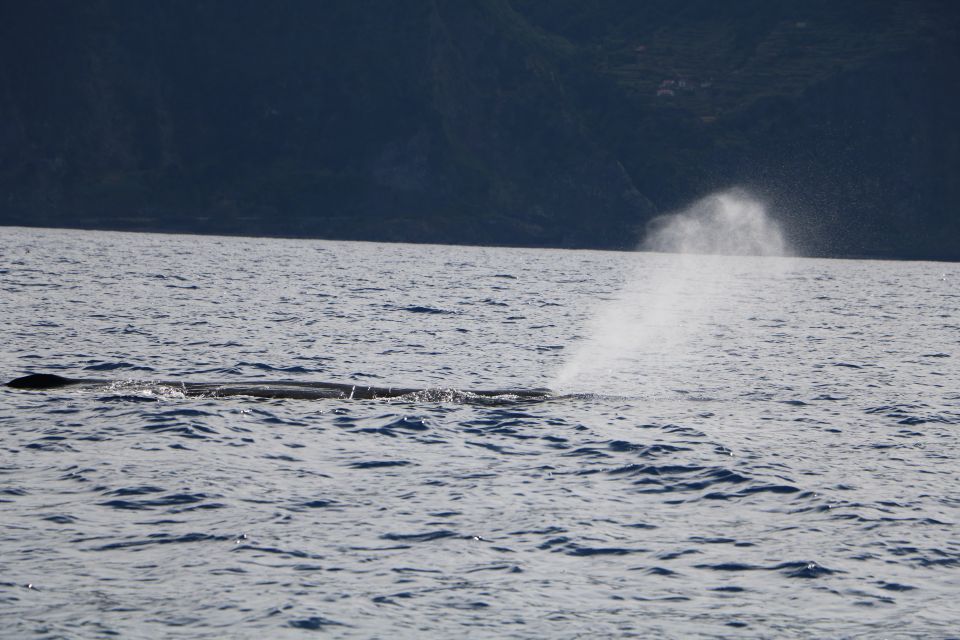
<point>524,122</point>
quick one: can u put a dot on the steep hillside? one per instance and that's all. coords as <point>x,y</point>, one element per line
<point>532,122</point>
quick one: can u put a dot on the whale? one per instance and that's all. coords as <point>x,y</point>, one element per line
<point>291,389</point>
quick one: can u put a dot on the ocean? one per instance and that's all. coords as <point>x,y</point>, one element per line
<point>741,447</point>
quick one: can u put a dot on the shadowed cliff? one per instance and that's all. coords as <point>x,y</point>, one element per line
<point>526,122</point>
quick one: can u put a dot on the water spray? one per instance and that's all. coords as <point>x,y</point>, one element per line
<point>650,335</point>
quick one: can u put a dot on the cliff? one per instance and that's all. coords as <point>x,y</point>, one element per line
<point>529,122</point>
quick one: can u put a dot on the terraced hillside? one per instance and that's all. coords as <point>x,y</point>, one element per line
<point>717,58</point>
<point>699,68</point>
<point>524,122</point>
<point>843,114</point>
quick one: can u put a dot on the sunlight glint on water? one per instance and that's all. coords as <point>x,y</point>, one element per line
<point>803,486</point>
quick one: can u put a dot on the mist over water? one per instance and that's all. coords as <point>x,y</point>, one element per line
<point>645,339</point>
<point>731,223</point>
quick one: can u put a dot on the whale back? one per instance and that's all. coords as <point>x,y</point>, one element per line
<point>297,390</point>
<point>40,381</point>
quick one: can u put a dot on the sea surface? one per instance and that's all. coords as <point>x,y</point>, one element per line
<point>736,447</point>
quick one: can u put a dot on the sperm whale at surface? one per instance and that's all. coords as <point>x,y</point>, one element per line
<point>291,389</point>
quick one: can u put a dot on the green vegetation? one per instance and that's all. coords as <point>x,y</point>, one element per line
<point>524,122</point>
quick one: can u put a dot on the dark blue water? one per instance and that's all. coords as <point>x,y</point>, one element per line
<point>770,453</point>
